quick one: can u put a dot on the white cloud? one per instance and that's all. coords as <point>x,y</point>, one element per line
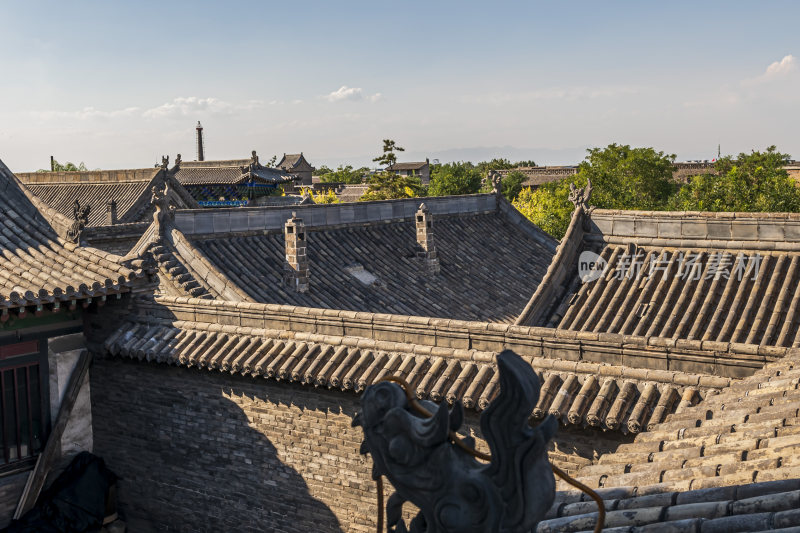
<point>776,70</point>
<point>345,93</point>
<point>352,94</point>
<point>192,105</point>
<point>779,68</point>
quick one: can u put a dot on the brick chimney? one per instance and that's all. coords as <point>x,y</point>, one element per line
<point>111,212</point>
<point>295,269</point>
<point>427,254</point>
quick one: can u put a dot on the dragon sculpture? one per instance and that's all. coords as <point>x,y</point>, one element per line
<point>80,217</point>
<point>453,491</point>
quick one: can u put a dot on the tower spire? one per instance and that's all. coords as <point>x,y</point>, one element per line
<point>200,146</point>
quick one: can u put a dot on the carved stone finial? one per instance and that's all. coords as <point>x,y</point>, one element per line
<point>254,157</point>
<point>178,160</point>
<point>496,179</point>
<point>80,217</point>
<point>164,162</point>
<point>163,211</point>
<point>452,490</point>
<point>580,197</point>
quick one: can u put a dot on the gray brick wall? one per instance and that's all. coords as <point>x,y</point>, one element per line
<point>205,451</point>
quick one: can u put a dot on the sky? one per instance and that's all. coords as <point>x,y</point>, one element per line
<point>119,84</point>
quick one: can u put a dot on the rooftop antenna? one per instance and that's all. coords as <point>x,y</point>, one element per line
<point>200,146</point>
<point>719,152</point>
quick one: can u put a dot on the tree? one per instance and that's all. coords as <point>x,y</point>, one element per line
<point>272,161</point>
<point>511,185</point>
<point>344,174</point>
<point>388,184</point>
<point>324,197</point>
<point>622,178</point>
<point>628,178</point>
<point>751,182</point>
<point>388,158</point>
<point>454,178</point>
<point>495,164</point>
<point>548,206</point>
<point>321,171</point>
<point>66,167</point>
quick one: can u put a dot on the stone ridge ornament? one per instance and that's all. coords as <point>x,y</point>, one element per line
<point>80,217</point>
<point>429,467</point>
<point>580,197</point>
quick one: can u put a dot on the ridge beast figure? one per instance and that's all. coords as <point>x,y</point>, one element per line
<point>453,491</point>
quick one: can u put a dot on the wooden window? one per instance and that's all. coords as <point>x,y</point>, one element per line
<point>23,402</point>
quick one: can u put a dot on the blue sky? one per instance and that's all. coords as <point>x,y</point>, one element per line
<point>117,85</point>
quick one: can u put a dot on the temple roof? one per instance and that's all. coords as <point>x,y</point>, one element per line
<point>229,173</point>
<point>714,277</point>
<point>37,266</point>
<point>363,257</point>
<point>130,189</point>
<point>294,162</point>
<point>729,463</point>
<point>583,394</point>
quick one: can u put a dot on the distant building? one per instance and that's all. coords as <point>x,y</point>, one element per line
<point>231,182</point>
<point>297,165</point>
<point>421,169</point>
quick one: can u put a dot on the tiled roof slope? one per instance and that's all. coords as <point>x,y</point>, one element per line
<point>578,394</point>
<point>37,267</point>
<point>748,433</point>
<point>130,189</point>
<point>756,309</point>
<point>351,193</point>
<point>227,172</point>
<point>484,260</point>
<point>415,165</point>
<point>768,506</point>
<point>717,277</point>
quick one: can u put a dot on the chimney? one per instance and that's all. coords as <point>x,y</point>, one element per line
<point>200,147</point>
<point>295,269</point>
<point>111,213</point>
<point>427,255</point>
<point>52,164</point>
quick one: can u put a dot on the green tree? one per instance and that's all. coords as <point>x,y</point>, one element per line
<point>511,185</point>
<point>548,206</point>
<point>628,178</point>
<point>622,178</point>
<point>454,178</point>
<point>388,157</point>
<point>326,197</point>
<point>321,171</point>
<point>495,164</point>
<point>66,167</point>
<point>388,184</point>
<point>751,182</point>
<point>344,174</point>
<point>526,163</point>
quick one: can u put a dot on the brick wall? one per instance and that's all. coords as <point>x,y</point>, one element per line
<point>205,451</point>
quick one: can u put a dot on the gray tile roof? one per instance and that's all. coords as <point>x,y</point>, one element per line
<point>37,267</point>
<point>130,189</point>
<point>228,172</point>
<point>488,267</point>
<point>710,277</point>
<point>407,166</point>
<point>570,391</point>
